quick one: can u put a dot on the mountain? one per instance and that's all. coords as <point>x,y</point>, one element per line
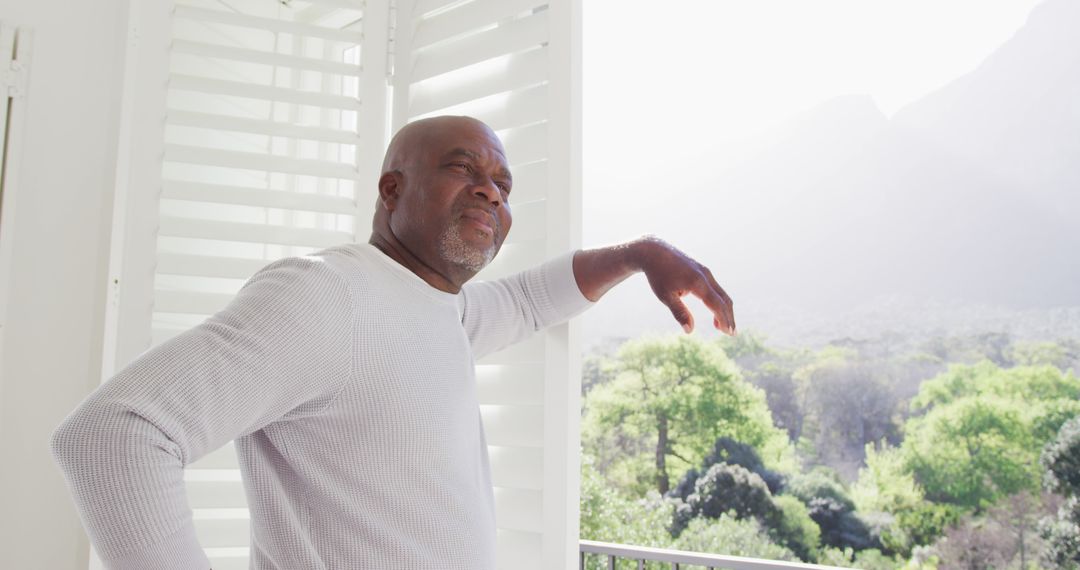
<point>969,196</point>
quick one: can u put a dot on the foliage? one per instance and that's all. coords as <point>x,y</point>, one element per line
<point>731,537</point>
<point>795,529</point>
<point>727,450</point>
<point>727,489</point>
<point>884,484</point>
<point>609,516</point>
<point>832,509</point>
<point>1025,383</point>
<point>978,438</point>
<point>870,559</point>
<point>839,379</point>
<point>1062,536</point>
<point>918,526</point>
<point>942,470</point>
<point>1061,460</point>
<point>975,544</point>
<point>887,492</point>
<point>1063,354</point>
<point>596,370</point>
<point>670,401</point>
<point>971,452</point>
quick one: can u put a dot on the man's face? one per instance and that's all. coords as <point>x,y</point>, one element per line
<point>454,202</point>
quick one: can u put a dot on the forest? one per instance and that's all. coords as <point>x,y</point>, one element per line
<point>943,452</point>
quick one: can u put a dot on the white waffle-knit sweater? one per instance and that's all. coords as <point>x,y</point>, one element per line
<point>348,384</point>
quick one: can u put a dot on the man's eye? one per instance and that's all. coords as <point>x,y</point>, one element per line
<point>462,166</point>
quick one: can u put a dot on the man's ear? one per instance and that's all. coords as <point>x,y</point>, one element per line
<point>390,184</point>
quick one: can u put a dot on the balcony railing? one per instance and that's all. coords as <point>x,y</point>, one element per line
<point>642,554</point>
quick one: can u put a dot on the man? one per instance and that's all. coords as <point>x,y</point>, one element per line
<point>346,378</point>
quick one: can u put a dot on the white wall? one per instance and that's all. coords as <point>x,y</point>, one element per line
<point>52,352</point>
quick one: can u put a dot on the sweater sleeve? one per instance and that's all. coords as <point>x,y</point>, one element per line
<point>506,311</point>
<point>279,350</point>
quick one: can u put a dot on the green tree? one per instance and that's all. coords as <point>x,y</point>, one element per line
<point>980,429</point>
<point>972,452</point>
<point>795,528</point>
<point>832,509</point>
<point>848,403</point>
<point>884,484</point>
<point>1061,462</point>
<point>671,399</point>
<point>1063,354</point>
<point>730,489</point>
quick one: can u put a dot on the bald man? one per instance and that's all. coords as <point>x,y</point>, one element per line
<point>346,379</point>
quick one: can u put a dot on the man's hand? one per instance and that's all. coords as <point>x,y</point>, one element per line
<point>671,274</point>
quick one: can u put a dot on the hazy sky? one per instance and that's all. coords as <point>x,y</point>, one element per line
<point>671,94</point>
<point>684,80</point>
<point>744,64</point>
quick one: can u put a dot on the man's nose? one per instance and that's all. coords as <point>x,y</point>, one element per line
<point>489,192</point>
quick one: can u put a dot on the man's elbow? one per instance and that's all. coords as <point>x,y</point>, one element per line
<point>70,442</point>
<point>86,437</point>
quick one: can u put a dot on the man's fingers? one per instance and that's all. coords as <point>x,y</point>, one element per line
<point>680,312</point>
<point>720,309</point>
<point>729,305</point>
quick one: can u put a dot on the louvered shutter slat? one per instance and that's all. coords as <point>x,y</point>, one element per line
<point>518,108</point>
<point>258,233</point>
<point>262,127</point>
<point>217,533</point>
<point>238,89</point>
<point>526,144</point>
<point>255,56</point>
<point>516,36</point>
<point>467,18</point>
<point>519,509</point>
<point>530,183</point>
<point>519,550</point>
<point>189,302</point>
<point>518,426</point>
<point>509,384</point>
<point>216,494</point>
<point>516,71</point>
<point>517,468</point>
<point>222,194</point>
<point>258,161</point>
<point>270,25</point>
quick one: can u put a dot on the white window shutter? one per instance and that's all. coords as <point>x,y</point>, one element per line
<point>515,64</point>
<point>251,130</point>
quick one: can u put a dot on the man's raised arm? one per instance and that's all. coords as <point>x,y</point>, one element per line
<point>505,311</point>
<point>671,274</point>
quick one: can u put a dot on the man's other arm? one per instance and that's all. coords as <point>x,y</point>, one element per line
<point>282,346</point>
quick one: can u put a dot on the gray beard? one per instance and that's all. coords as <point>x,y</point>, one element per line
<point>453,249</point>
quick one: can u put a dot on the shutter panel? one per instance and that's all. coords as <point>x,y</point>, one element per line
<point>255,131</point>
<point>15,58</point>
<point>515,64</point>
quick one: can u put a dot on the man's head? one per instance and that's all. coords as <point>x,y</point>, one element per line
<point>443,196</point>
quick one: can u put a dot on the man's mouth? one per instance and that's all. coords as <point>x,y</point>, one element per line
<point>483,220</point>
